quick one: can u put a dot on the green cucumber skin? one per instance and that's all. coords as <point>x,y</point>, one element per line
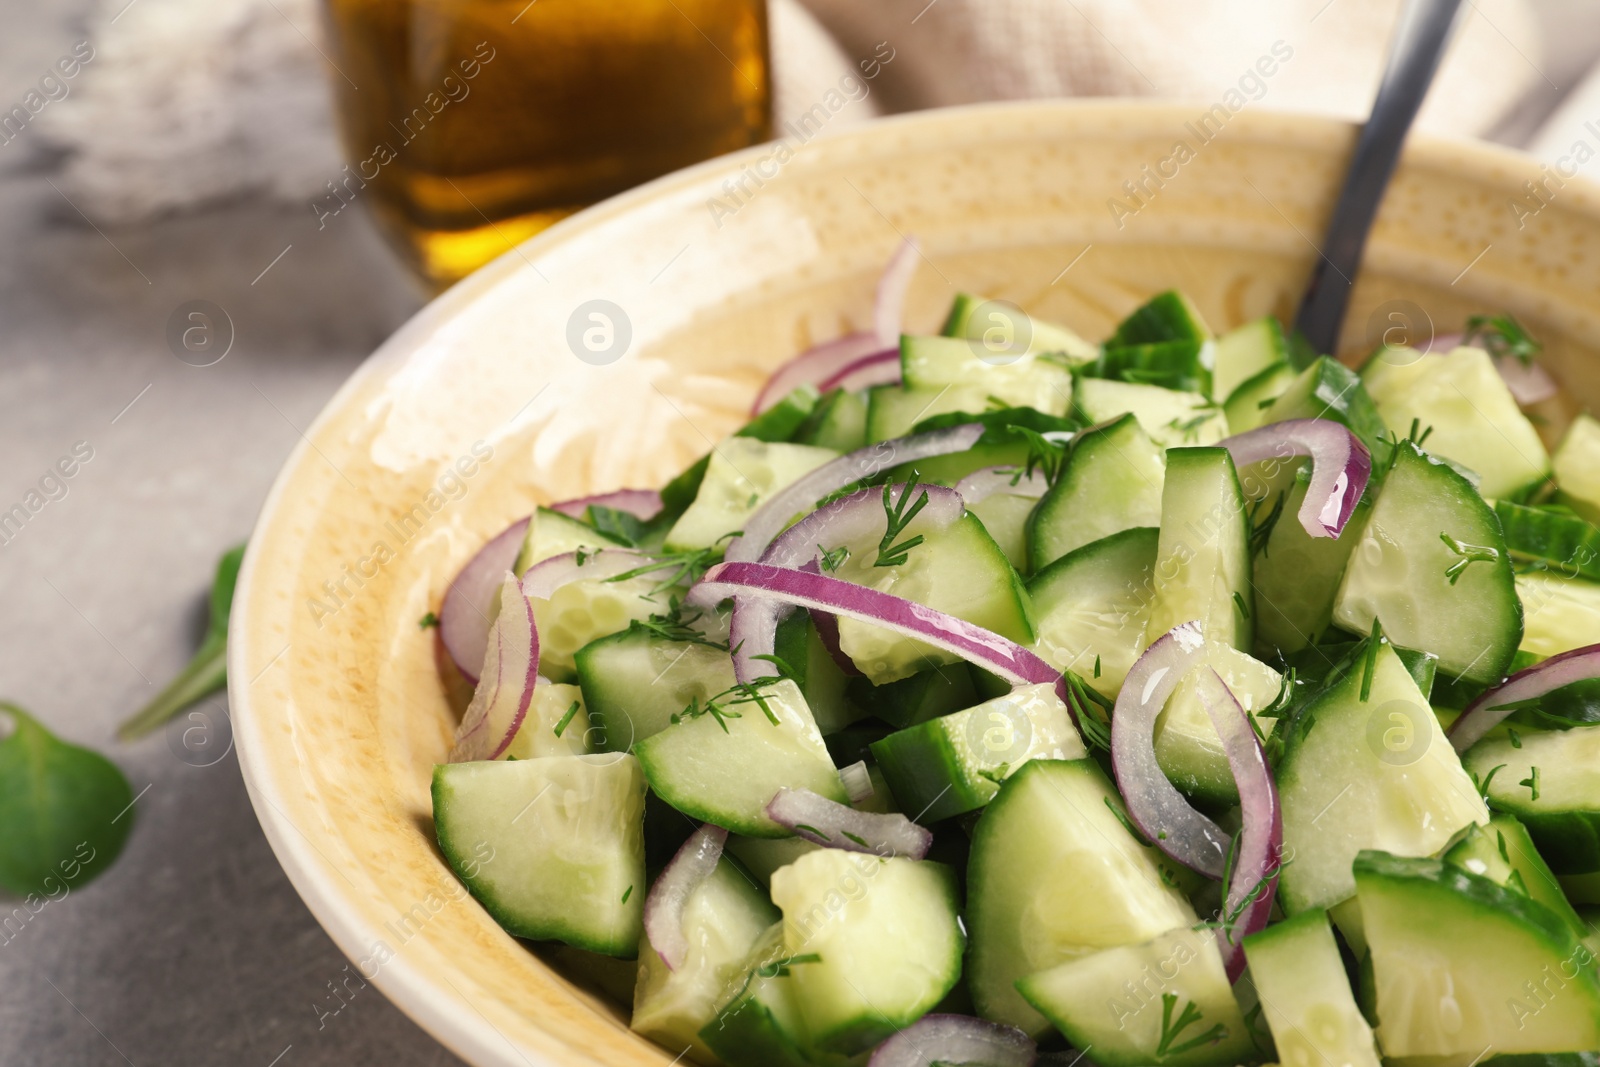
<point>1569,841</point>
<point>1247,405</point>
<point>914,700</point>
<point>1515,847</point>
<point>777,424</point>
<point>1000,445</point>
<point>839,422</point>
<point>1169,364</point>
<point>1564,542</point>
<point>1167,316</point>
<point>1098,445</point>
<point>1328,389</point>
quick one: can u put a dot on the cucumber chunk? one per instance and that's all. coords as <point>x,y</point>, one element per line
<point>1006,518</point>
<point>1398,572</point>
<point>1327,389</point>
<point>1475,419</point>
<point>1462,964</point>
<point>554,707</point>
<point>1091,607</point>
<point>762,856</point>
<point>1184,365</point>
<point>781,422</point>
<point>969,318</point>
<point>958,570</point>
<point>821,681</point>
<point>723,770</point>
<point>760,1026</point>
<point>742,473</point>
<point>552,848</point>
<point>1558,613</point>
<point>723,918</point>
<point>1165,1002</point>
<point>1359,774</point>
<point>634,682</point>
<point>1167,316</point>
<point>550,533</point>
<point>1555,538</point>
<point>1296,576</point>
<point>1170,417</point>
<point>1202,569</point>
<point>885,937</point>
<point>914,700</point>
<point>1577,467</point>
<point>839,422</point>
<point>1055,874</point>
<point>1306,996</point>
<point>1550,780</point>
<point>1246,407</point>
<point>1111,482</point>
<point>955,764</point>
<point>1503,852</point>
<point>1243,353</point>
<point>1186,742</point>
<point>931,364</point>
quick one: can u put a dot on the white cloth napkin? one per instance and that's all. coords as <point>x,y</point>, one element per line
<point>191,101</point>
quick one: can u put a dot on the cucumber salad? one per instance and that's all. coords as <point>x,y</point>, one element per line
<point>998,697</point>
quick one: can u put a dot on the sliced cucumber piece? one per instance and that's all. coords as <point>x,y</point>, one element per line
<point>956,763</point>
<point>1202,569</point>
<point>1187,746</point>
<point>955,363</point>
<point>550,533</point>
<point>1475,419</point>
<point>1006,517</point>
<point>1111,482</point>
<point>761,1025</point>
<point>634,682</point>
<point>555,725</point>
<point>925,695</point>
<point>1243,353</point>
<point>763,855</point>
<point>1092,605</point>
<point>1327,389</point>
<point>723,770</point>
<point>1002,445</point>
<point>972,317</point>
<point>1056,874</point>
<point>892,410</point>
<point>1558,613</point>
<point>1167,316</point>
<point>1366,773</point>
<point>1462,964</point>
<point>1503,852</point>
<point>1170,417</point>
<point>723,918</point>
<point>781,422</point>
<point>885,939</point>
<point>1246,407</point>
<point>1577,467</point>
<point>821,681</point>
<point>1297,576</point>
<point>1404,574</point>
<point>1554,537</point>
<point>958,570</point>
<point>743,472</point>
<point>839,422</point>
<point>552,848</point>
<point>1306,995</point>
<point>1165,1002</point>
<point>1184,365</point>
<point>1550,780</point>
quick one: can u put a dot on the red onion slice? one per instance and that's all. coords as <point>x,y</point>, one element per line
<point>824,822</point>
<point>799,496</point>
<point>877,368</point>
<point>464,616</point>
<point>510,670</point>
<point>545,577</point>
<point>857,782</point>
<point>814,365</point>
<point>1154,805</point>
<point>1009,481</point>
<point>956,1039</point>
<point>1340,466</point>
<point>1496,705</point>
<point>1253,879</point>
<point>888,312</point>
<point>663,908</point>
<point>642,504</point>
<point>995,654</point>
<point>1529,383</point>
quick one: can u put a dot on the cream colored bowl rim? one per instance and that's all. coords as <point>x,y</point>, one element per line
<point>402,982</point>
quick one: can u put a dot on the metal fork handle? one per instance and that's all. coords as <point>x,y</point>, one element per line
<point>1419,41</point>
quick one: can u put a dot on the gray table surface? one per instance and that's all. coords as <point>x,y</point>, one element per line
<point>193,948</point>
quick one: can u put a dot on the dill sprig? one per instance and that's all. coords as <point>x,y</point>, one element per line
<point>677,624</point>
<point>1469,554</point>
<point>723,706</point>
<point>1171,1028</point>
<point>1261,532</point>
<point>897,516</point>
<point>1502,335</point>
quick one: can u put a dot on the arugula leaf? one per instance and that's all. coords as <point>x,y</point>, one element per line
<point>207,671</point>
<point>64,810</point>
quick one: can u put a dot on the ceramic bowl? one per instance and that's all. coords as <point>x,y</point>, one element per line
<point>507,392</point>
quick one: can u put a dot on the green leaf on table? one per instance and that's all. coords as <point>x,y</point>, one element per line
<point>207,671</point>
<point>64,810</point>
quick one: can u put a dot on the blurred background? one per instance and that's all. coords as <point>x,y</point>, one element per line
<point>302,175</point>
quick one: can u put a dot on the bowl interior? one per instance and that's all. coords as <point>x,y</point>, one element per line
<point>493,400</point>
